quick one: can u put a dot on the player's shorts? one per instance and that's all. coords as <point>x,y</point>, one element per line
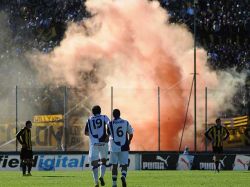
<point>217,150</point>
<point>26,154</point>
<point>119,158</point>
<point>97,152</point>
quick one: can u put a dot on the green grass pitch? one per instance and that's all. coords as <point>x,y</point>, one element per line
<point>134,179</point>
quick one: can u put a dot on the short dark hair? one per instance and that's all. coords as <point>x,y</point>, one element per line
<point>217,120</point>
<point>96,110</point>
<point>116,113</point>
<point>28,122</point>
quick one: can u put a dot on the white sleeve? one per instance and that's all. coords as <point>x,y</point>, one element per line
<point>130,129</point>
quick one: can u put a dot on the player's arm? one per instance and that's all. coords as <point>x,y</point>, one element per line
<point>107,133</point>
<point>130,132</point>
<point>130,137</point>
<point>207,134</point>
<point>107,130</point>
<point>86,131</point>
<point>227,133</point>
<point>18,137</point>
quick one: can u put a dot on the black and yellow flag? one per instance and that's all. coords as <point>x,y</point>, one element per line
<point>238,128</point>
<point>235,122</point>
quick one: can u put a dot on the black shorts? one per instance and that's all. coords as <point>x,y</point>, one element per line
<point>26,154</point>
<point>218,150</point>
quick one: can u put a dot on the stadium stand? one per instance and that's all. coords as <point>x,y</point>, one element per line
<point>222,26</point>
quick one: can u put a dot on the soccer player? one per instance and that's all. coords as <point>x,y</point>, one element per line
<point>26,155</point>
<point>96,129</point>
<point>217,134</point>
<point>120,136</point>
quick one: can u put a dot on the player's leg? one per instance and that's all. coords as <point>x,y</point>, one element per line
<point>215,158</point>
<point>123,160</point>
<point>103,157</point>
<point>93,158</point>
<point>23,165</point>
<point>29,165</point>
<point>114,161</point>
<point>124,175</point>
<point>94,165</point>
<point>29,161</point>
<point>114,175</point>
<point>102,171</point>
<point>217,162</point>
<point>219,153</point>
<point>23,161</point>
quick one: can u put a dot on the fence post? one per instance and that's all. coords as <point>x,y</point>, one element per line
<point>159,120</point>
<point>16,117</point>
<point>195,79</point>
<point>65,119</point>
<point>112,100</point>
<point>206,117</point>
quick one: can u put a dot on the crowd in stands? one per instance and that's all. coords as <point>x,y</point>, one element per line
<point>222,26</point>
<point>40,24</point>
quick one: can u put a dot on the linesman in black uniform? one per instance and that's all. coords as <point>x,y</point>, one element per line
<point>26,155</point>
<point>217,134</point>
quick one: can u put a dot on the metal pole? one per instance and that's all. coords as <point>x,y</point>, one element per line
<point>206,117</point>
<point>112,97</point>
<point>195,131</point>
<point>186,115</point>
<point>159,120</point>
<point>65,119</point>
<point>16,117</point>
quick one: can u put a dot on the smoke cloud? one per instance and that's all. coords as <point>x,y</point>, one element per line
<point>14,70</point>
<point>131,46</point>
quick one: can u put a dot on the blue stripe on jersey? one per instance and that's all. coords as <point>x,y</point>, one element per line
<point>111,129</point>
<point>102,139</point>
<point>125,147</point>
<point>95,136</point>
<point>112,134</point>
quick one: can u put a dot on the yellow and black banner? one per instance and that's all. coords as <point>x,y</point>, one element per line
<point>239,130</point>
<point>235,122</point>
<point>47,118</point>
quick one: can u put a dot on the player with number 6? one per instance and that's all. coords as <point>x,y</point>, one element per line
<point>120,135</point>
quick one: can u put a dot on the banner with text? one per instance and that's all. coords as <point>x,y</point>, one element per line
<point>57,162</point>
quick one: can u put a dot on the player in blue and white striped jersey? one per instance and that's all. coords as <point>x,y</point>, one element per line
<point>120,135</point>
<point>96,129</point>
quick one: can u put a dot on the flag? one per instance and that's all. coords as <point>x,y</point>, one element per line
<point>235,122</point>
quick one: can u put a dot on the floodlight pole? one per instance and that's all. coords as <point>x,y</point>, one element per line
<point>195,130</point>
<point>206,117</point>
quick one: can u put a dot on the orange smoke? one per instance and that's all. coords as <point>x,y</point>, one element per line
<point>131,46</point>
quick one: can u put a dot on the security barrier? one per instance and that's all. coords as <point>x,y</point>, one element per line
<point>137,161</point>
<point>173,161</point>
<point>56,162</point>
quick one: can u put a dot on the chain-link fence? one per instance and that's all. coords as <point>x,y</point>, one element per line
<point>162,118</point>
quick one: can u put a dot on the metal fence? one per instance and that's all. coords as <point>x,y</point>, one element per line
<point>159,116</point>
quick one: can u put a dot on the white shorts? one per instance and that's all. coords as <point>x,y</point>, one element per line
<point>119,158</point>
<point>97,152</point>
